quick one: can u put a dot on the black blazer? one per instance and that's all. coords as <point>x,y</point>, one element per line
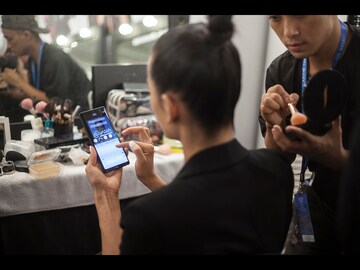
<point>348,212</point>
<point>225,200</point>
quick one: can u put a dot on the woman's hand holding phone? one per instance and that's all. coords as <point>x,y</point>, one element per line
<point>100,181</point>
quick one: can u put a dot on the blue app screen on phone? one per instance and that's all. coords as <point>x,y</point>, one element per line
<point>104,140</point>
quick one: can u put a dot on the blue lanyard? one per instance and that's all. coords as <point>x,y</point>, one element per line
<point>35,73</point>
<point>338,54</point>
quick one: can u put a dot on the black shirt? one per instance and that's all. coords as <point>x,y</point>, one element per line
<point>225,200</point>
<point>61,76</point>
<point>348,216</point>
<point>286,70</point>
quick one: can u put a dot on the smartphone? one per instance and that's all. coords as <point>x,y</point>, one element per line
<point>103,138</point>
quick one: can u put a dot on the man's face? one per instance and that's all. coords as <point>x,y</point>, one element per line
<point>303,35</point>
<point>16,41</point>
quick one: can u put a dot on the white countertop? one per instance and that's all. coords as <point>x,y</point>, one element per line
<point>22,193</point>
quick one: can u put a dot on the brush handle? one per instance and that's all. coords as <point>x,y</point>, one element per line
<point>291,107</point>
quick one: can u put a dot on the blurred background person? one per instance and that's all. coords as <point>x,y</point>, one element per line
<point>10,96</point>
<point>51,71</point>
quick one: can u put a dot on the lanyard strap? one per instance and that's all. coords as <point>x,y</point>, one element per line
<point>35,72</point>
<point>304,164</point>
<point>337,56</point>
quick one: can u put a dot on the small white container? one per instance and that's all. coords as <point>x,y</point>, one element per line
<point>29,117</point>
<point>29,135</point>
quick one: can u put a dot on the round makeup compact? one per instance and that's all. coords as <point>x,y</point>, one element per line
<point>323,100</point>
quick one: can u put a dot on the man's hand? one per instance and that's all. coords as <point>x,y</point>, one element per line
<point>327,150</point>
<point>274,106</point>
<point>12,77</point>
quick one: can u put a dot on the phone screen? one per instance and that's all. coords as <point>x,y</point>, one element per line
<point>104,138</point>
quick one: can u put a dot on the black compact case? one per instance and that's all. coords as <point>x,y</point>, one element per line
<point>323,101</point>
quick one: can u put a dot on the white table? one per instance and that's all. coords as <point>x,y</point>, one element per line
<point>20,193</point>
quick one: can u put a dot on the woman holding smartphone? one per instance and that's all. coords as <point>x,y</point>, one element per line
<point>226,199</point>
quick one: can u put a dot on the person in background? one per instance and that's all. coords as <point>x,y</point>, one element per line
<point>52,73</point>
<point>10,96</point>
<point>226,199</point>
<point>314,43</point>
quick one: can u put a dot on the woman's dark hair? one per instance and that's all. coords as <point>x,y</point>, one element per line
<point>199,62</point>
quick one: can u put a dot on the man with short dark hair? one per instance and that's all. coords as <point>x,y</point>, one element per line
<point>314,43</point>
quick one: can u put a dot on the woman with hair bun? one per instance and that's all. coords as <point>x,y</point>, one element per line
<point>226,199</point>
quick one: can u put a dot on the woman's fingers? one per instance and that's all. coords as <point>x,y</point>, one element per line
<point>142,132</point>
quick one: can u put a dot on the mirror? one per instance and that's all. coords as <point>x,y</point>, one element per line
<point>100,39</point>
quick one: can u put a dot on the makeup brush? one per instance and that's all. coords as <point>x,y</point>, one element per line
<point>40,107</point>
<point>27,104</point>
<point>297,118</point>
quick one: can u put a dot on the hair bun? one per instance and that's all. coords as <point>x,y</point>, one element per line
<point>221,28</point>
